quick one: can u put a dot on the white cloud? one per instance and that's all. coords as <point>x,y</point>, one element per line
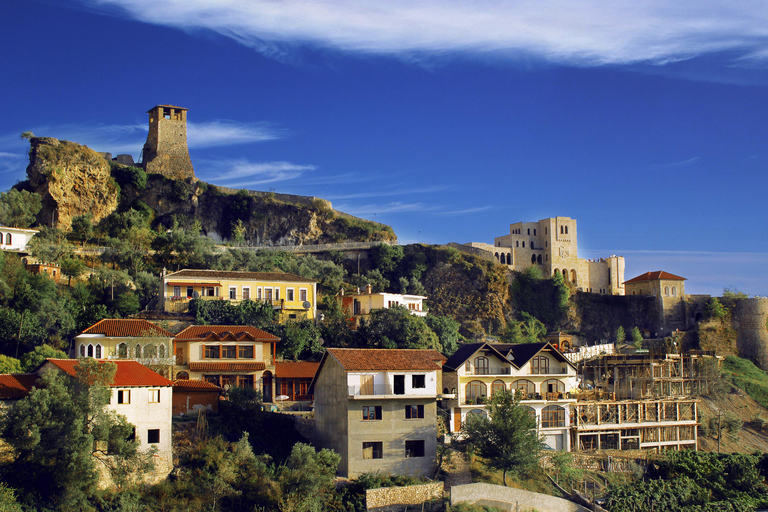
<point>227,133</point>
<point>587,32</point>
<point>466,211</point>
<point>13,162</point>
<point>385,193</point>
<point>394,207</point>
<point>242,173</point>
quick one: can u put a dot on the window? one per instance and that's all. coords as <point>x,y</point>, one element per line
<point>398,384</point>
<point>177,291</point>
<point>161,350</point>
<point>98,351</point>
<point>150,351</point>
<point>289,294</point>
<point>258,293</point>
<point>524,386</point>
<point>90,350</point>
<point>674,291</point>
<point>124,396</point>
<point>303,387</point>
<point>303,294</point>
<point>233,293</point>
<point>8,239</point>
<point>418,381</point>
<point>122,351</point>
<point>414,448</point>
<point>268,293</point>
<point>552,416</point>
<point>213,379</point>
<point>531,413</point>
<point>138,351</point>
<point>228,381</point>
<point>190,291</point>
<point>246,293</point>
<point>154,396</point>
<point>245,381</point>
<point>481,365</point>
<point>153,436</point>
<point>475,389</point>
<point>211,352</point>
<point>540,365</point>
<point>371,412</point>
<point>228,352</point>
<point>245,352</point>
<point>497,387</point>
<point>277,293</point>
<point>413,412</point>
<point>372,450</point>
<point>82,350</point>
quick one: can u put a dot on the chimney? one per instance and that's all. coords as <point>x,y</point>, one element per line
<point>341,292</point>
<point>368,289</point>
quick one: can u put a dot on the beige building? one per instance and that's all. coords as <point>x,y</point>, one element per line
<point>165,151</point>
<point>377,409</point>
<point>538,371</point>
<point>227,355</point>
<point>551,244</point>
<point>669,291</point>
<point>292,297</point>
<point>359,305</point>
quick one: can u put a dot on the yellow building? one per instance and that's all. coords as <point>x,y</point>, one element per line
<point>293,297</point>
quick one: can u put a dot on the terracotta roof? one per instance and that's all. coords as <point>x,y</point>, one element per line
<point>233,274</point>
<point>129,373</point>
<point>17,385</point>
<point>114,328</point>
<point>655,276</point>
<point>226,366</point>
<point>223,332</point>
<point>383,359</point>
<point>195,385</point>
<point>295,369</point>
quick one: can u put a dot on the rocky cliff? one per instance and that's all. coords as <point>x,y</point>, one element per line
<point>73,179</point>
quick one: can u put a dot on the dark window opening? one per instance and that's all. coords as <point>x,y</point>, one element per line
<point>153,436</point>
<point>371,412</point>
<point>372,450</point>
<point>418,381</point>
<point>413,412</point>
<point>414,448</point>
<point>399,385</point>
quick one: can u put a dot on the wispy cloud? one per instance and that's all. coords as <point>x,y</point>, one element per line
<point>229,133</point>
<point>586,32</point>
<point>403,190</point>
<point>243,173</point>
<point>681,163</point>
<point>394,207</point>
<point>466,211</point>
<point>12,162</point>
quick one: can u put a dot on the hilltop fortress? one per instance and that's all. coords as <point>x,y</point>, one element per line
<point>551,244</point>
<point>166,151</point>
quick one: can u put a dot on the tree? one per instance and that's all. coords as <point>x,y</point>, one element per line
<point>183,247</point>
<point>82,227</point>
<point>52,432</point>
<point>18,208</point>
<point>307,479</point>
<point>447,331</point>
<point>621,336</point>
<point>297,339</point>
<point>50,245</point>
<point>716,309</point>
<point>9,365</point>
<point>396,327</point>
<point>32,360</point>
<point>506,439</point>
<point>72,267</point>
<point>637,337</point>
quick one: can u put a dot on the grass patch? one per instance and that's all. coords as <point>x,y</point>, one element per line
<point>744,374</point>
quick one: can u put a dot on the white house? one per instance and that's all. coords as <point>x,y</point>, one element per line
<point>359,305</point>
<point>15,239</point>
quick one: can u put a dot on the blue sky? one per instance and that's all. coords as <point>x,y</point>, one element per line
<point>448,120</point>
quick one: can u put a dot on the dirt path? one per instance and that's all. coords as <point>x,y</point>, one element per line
<point>457,471</point>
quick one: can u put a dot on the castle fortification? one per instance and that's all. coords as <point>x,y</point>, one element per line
<point>165,151</point>
<point>750,317</point>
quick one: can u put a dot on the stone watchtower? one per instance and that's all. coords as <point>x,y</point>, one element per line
<point>165,151</point>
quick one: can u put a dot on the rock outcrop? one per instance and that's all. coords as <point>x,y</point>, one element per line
<point>72,179</point>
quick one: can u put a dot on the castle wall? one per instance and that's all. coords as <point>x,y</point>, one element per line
<point>749,320</point>
<point>165,151</point>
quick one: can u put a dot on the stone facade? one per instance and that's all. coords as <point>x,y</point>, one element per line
<point>750,318</point>
<point>669,293</point>
<point>551,244</point>
<point>386,499</point>
<point>165,151</point>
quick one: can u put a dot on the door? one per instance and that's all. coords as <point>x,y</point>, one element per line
<point>366,385</point>
<point>399,385</point>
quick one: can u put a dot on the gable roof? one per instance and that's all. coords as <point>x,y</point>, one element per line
<point>14,386</point>
<point>295,369</point>
<point>118,327</point>
<point>524,352</point>
<point>465,352</point>
<point>195,385</point>
<point>234,274</point>
<point>352,359</point>
<point>225,333</point>
<point>129,373</point>
<point>655,276</point>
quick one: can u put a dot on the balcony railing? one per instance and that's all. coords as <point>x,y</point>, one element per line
<point>549,371</point>
<point>490,371</point>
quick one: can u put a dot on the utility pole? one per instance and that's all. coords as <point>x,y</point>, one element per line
<point>719,431</point>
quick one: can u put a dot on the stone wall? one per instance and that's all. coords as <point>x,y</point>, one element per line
<point>508,498</point>
<point>749,320</point>
<point>165,151</point>
<point>395,499</point>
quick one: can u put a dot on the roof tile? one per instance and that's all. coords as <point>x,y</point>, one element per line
<point>295,369</point>
<point>226,366</point>
<point>655,276</point>
<point>388,359</point>
<point>239,332</point>
<point>195,385</point>
<point>17,385</point>
<point>114,328</point>
<point>232,274</point>
<point>129,373</point>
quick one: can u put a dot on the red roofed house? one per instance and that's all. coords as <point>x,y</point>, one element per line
<point>378,409</point>
<point>139,340</point>
<point>191,396</point>
<point>669,291</point>
<point>293,379</point>
<point>141,395</point>
<point>227,355</point>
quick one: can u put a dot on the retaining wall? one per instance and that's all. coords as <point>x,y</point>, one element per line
<point>396,499</point>
<point>508,498</point>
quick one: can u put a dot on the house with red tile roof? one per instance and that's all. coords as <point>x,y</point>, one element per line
<point>227,355</point>
<point>292,297</point>
<point>669,292</point>
<point>378,409</point>
<point>123,338</point>
<point>192,396</point>
<point>143,396</point>
<point>293,379</point>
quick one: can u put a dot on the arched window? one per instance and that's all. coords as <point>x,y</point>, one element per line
<point>1,240</point>
<point>538,259</point>
<point>150,351</point>
<point>497,256</point>
<point>90,350</point>
<point>532,413</point>
<point>552,416</point>
<point>565,273</point>
<point>561,230</point>
<point>524,386</point>
<point>674,291</point>
<point>122,351</point>
<point>82,350</point>
<point>182,376</point>
<point>481,365</point>
<point>509,258</point>
<point>552,386</point>
<point>532,244</point>
<point>475,389</point>
<point>573,276</point>
<point>540,365</point>
<point>497,387</point>
<point>517,243</point>
<point>8,239</point>
<point>666,291</point>
<point>477,412</point>
<point>138,351</point>
<point>529,231</point>
<point>523,244</point>
<point>161,351</point>
<point>98,351</point>
<point>557,271</point>
<point>566,230</point>
<point>533,258</point>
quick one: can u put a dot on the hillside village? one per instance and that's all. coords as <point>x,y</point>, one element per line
<point>313,343</point>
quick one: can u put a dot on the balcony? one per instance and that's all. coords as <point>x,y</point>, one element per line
<point>549,371</point>
<point>369,390</point>
<point>489,371</point>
